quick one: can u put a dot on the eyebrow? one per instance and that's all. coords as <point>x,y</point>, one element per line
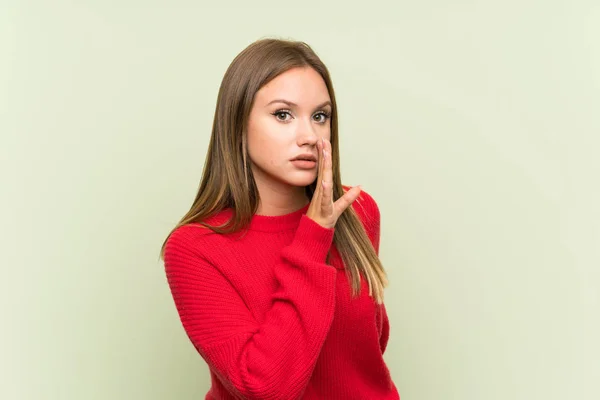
<point>292,104</point>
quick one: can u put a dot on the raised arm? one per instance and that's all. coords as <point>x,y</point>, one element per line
<point>273,359</point>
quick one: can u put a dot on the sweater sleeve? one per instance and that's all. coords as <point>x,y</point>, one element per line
<point>273,359</point>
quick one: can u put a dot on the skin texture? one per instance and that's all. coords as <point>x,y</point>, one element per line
<point>278,132</point>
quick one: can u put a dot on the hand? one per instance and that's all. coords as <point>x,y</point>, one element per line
<point>322,209</point>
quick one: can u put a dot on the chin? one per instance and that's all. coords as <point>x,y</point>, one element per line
<point>301,181</point>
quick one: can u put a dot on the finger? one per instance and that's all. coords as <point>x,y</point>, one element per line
<point>348,198</point>
<point>322,158</point>
<point>327,197</point>
<point>328,173</point>
<point>317,191</point>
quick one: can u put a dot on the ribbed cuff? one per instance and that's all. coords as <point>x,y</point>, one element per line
<point>314,239</point>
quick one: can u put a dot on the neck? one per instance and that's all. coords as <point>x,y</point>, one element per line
<point>274,202</point>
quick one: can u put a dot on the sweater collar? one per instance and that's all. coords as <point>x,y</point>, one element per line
<point>266,223</point>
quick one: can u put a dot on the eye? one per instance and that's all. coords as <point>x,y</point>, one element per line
<point>324,116</point>
<point>280,113</point>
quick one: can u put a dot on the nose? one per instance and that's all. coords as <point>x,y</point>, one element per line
<point>306,134</point>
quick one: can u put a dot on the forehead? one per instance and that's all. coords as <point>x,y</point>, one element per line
<point>303,86</point>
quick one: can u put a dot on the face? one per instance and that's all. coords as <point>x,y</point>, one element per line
<point>289,115</point>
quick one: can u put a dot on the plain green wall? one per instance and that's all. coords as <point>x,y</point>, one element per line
<point>475,125</point>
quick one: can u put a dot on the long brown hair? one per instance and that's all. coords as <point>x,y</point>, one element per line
<point>227,180</point>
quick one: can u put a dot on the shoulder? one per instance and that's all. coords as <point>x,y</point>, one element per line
<point>195,233</point>
<point>187,240</point>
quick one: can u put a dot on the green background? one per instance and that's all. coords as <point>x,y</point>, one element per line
<point>474,124</point>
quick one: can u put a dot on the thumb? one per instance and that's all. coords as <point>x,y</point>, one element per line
<point>348,198</point>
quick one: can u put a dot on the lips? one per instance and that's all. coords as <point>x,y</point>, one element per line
<point>305,157</point>
<point>304,164</point>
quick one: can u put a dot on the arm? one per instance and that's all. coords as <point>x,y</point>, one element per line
<point>271,360</point>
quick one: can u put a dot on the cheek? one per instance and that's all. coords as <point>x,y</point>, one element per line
<point>261,131</point>
<point>257,137</point>
<point>266,148</point>
<point>269,142</point>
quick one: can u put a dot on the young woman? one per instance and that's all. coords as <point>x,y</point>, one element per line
<point>274,270</point>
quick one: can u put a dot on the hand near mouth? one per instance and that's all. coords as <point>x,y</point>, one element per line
<point>323,210</point>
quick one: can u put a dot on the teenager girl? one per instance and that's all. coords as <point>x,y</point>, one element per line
<point>274,270</point>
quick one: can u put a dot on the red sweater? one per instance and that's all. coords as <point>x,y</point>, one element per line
<point>271,319</point>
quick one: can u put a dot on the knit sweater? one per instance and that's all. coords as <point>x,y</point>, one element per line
<point>271,318</point>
